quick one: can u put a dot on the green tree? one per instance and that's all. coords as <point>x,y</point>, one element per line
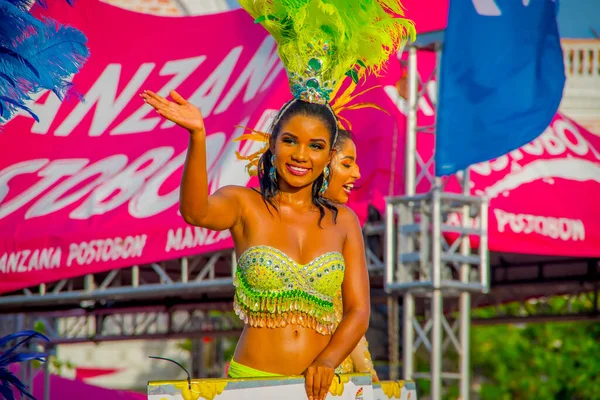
<point>537,361</point>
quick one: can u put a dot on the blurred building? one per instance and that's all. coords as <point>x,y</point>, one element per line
<point>176,7</point>
<point>581,98</point>
<point>579,25</point>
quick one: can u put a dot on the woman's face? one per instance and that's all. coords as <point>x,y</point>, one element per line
<point>302,151</point>
<point>344,172</point>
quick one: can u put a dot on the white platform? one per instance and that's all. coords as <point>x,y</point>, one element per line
<point>348,387</point>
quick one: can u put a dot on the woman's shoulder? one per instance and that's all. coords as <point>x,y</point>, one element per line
<point>347,217</point>
<point>239,191</point>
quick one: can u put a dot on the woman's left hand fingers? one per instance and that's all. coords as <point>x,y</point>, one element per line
<point>153,102</point>
<point>309,378</point>
<point>316,384</point>
<point>156,97</point>
<point>326,376</point>
<point>318,381</point>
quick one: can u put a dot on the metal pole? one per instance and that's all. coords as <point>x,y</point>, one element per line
<point>392,304</point>
<point>233,263</point>
<point>47,377</point>
<point>483,246</point>
<point>185,269</point>
<point>465,300</point>
<point>410,175</point>
<point>390,244</point>
<point>436,303</point>
<point>410,167</point>
<point>408,312</point>
<point>197,358</point>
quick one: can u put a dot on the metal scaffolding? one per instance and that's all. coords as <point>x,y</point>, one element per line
<point>189,278</point>
<point>428,260</point>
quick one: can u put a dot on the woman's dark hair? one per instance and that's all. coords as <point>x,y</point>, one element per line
<point>342,138</point>
<point>268,188</point>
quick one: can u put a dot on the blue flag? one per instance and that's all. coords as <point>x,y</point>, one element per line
<point>502,79</point>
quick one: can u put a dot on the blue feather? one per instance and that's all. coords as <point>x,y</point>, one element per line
<point>8,79</point>
<point>8,381</point>
<point>26,4</point>
<point>29,334</point>
<point>16,106</point>
<point>57,53</point>
<point>20,357</point>
<point>19,58</point>
<point>16,24</point>
<point>22,4</point>
<point>6,391</point>
<point>35,55</point>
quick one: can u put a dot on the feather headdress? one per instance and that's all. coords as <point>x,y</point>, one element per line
<point>8,381</point>
<point>322,43</point>
<point>35,55</point>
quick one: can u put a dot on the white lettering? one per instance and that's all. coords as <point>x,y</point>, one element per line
<point>228,170</point>
<point>254,76</point>
<point>553,145</point>
<point>46,111</point>
<point>556,140</point>
<point>94,251</point>
<point>148,202</point>
<point>207,95</point>
<point>555,228</point>
<point>24,167</point>
<point>191,237</point>
<point>51,174</point>
<point>126,183</point>
<point>566,131</point>
<point>181,70</point>
<point>103,95</point>
<point>54,199</point>
<point>21,262</point>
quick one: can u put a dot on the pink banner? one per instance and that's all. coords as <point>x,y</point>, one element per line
<point>94,185</point>
<point>428,15</point>
<point>543,196</point>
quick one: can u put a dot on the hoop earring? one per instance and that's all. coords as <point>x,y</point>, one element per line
<point>273,171</point>
<point>325,181</point>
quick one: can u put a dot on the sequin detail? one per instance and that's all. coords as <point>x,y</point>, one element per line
<point>272,290</point>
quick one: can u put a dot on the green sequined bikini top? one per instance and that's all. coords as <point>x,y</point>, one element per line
<point>272,290</point>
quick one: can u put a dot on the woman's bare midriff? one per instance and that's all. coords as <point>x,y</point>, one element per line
<point>285,351</point>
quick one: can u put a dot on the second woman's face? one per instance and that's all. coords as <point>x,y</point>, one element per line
<point>344,172</point>
<point>302,151</point>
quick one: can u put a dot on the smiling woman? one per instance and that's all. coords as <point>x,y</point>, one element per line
<point>296,249</point>
<point>299,152</point>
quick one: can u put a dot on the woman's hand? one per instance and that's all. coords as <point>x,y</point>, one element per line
<point>318,379</point>
<point>179,110</point>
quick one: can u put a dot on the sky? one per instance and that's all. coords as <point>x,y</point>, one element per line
<point>576,18</point>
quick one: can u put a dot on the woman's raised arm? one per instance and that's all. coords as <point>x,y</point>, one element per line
<point>219,211</point>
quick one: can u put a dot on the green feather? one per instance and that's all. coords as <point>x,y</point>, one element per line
<point>361,34</point>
